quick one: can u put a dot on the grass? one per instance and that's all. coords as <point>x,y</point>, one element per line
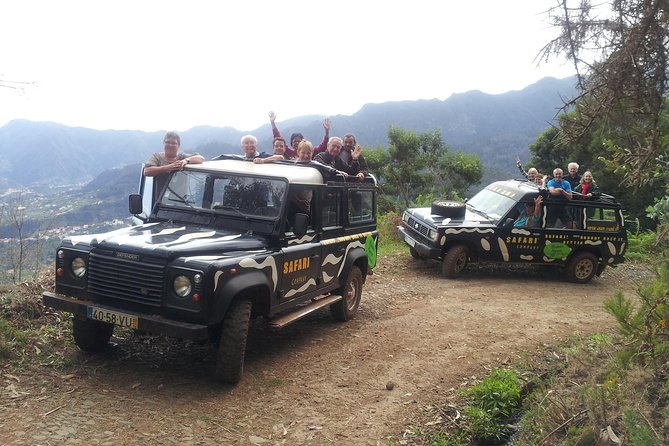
<point>389,241</point>
<point>12,339</point>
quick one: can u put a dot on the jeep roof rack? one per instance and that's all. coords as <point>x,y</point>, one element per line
<point>297,173</point>
<point>603,198</point>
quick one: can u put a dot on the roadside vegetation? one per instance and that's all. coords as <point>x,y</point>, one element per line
<point>608,388</point>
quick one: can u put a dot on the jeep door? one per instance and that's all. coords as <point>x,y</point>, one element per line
<point>300,265</point>
<point>522,244</point>
<point>348,219</point>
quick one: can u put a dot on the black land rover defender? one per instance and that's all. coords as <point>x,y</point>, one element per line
<point>225,241</point>
<point>582,235</point>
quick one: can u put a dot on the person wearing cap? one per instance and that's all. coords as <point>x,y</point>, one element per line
<point>531,217</point>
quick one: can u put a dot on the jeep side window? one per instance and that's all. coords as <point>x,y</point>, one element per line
<point>559,216</point>
<point>331,211</point>
<point>360,206</point>
<point>300,200</point>
<point>564,216</point>
<point>601,219</point>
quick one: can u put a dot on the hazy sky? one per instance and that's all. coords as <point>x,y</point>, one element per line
<point>160,65</point>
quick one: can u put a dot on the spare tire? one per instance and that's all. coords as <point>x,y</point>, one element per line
<point>452,209</point>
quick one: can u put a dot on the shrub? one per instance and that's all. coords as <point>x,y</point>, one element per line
<point>645,326</point>
<point>642,245</point>
<point>492,404</point>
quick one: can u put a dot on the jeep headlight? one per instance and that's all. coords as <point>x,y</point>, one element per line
<point>434,235</point>
<point>405,217</point>
<point>182,286</point>
<point>78,267</point>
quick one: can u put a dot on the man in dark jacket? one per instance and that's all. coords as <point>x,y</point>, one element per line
<point>331,155</point>
<point>351,154</point>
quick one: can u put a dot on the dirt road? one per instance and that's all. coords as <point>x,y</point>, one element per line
<point>315,382</point>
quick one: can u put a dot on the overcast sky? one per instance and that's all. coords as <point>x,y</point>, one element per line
<point>161,65</point>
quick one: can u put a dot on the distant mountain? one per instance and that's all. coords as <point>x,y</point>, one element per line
<point>497,127</point>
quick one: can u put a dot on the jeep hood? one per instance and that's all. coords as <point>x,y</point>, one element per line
<point>168,240</point>
<point>471,218</point>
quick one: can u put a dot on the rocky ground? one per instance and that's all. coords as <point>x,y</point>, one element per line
<point>416,339</point>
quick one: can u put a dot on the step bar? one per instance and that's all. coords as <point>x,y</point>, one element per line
<point>302,311</point>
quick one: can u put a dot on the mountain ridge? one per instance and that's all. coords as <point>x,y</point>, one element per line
<point>496,126</point>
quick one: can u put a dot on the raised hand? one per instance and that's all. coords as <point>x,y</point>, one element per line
<point>357,151</point>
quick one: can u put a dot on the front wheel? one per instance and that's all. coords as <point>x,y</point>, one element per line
<point>414,253</point>
<point>91,336</point>
<point>232,346</point>
<point>455,261</point>
<point>582,267</point>
<point>351,293</point>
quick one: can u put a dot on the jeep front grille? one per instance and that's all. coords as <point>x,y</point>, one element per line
<point>418,227</point>
<point>123,279</point>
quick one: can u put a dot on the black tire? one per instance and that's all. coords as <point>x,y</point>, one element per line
<point>582,267</point>
<point>232,344</point>
<point>455,261</point>
<point>452,209</point>
<point>414,253</point>
<point>351,293</point>
<point>91,336</point>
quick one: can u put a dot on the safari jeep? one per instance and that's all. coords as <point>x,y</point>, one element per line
<point>223,243</point>
<point>482,230</point>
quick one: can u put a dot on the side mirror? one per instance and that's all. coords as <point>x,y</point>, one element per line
<point>300,225</point>
<point>135,204</point>
<point>508,222</point>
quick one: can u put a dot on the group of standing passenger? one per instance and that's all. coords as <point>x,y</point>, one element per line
<point>560,187</point>
<point>343,156</point>
<point>564,186</point>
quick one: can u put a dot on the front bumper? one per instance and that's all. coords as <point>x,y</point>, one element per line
<point>421,248</point>
<point>146,322</point>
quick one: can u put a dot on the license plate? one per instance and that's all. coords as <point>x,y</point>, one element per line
<point>411,242</point>
<point>112,317</point>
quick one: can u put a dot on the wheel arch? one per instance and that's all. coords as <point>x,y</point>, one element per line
<point>469,246</point>
<point>590,249</point>
<point>357,257</point>
<point>253,286</point>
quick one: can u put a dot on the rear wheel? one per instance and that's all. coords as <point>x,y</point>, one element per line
<point>582,267</point>
<point>232,346</point>
<point>455,261</point>
<point>91,336</point>
<point>351,293</point>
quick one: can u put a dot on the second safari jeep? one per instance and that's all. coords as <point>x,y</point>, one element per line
<point>592,238</point>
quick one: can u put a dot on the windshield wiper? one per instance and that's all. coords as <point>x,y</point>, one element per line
<point>231,208</point>
<point>181,199</point>
<point>479,211</point>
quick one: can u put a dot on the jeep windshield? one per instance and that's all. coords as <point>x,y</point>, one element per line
<point>490,204</point>
<point>222,193</point>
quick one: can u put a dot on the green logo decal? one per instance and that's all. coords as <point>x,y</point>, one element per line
<point>370,249</point>
<point>556,250</point>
